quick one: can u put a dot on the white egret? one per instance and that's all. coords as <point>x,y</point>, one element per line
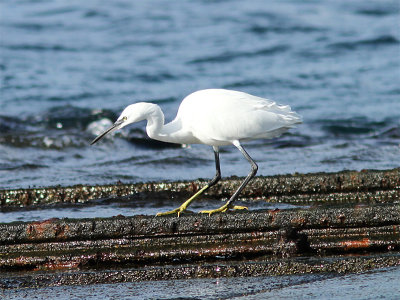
<point>214,117</point>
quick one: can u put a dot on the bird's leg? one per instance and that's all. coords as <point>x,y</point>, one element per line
<point>213,181</point>
<point>229,203</point>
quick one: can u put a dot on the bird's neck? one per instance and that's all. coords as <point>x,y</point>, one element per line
<point>171,132</point>
<point>155,121</point>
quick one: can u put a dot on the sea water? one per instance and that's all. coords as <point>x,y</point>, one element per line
<point>68,68</point>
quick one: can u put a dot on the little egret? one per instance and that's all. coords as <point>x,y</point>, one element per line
<point>214,117</point>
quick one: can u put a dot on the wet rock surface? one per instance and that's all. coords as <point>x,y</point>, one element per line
<point>331,235</point>
<point>367,186</point>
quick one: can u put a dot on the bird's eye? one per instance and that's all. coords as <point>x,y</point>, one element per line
<point>124,118</point>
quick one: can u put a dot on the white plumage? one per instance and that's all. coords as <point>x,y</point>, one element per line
<point>217,117</point>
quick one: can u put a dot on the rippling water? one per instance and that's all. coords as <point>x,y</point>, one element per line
<point>69,67</point>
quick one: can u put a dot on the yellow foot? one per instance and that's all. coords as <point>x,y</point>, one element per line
<point>223,208</point>
<point>184,205</point>
<point>178,211</point>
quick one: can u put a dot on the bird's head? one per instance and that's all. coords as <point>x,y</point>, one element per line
<point>131,114</point>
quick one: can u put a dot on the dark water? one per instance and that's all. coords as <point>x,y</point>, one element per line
<point>65,65</point>
<point>379,284</point>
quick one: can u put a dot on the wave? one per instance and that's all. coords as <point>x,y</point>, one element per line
<point>377,11</point>
<point>373,42</point>
<point>68,126</point>
<point>10,124</point>
<point>245,83</point>
<point>56,11</point>
<point>57,128</point>
<point>259,29</point>
<point>275,82</point>
<point>45,140</point>
<point>68,116</point>
<point>15,167</point>
<point>360,126</point>
<point>32,47</point>
<point>229,56</point>
<point>128,76</point>
<point>177,161</point>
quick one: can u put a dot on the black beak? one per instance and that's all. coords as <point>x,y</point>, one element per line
<point>114,127</point>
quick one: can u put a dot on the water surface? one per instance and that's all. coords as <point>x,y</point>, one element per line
<point>69,67</point>
<point>378,284</point>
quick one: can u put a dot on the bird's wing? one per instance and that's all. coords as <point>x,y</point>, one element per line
<point>226,115</point>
